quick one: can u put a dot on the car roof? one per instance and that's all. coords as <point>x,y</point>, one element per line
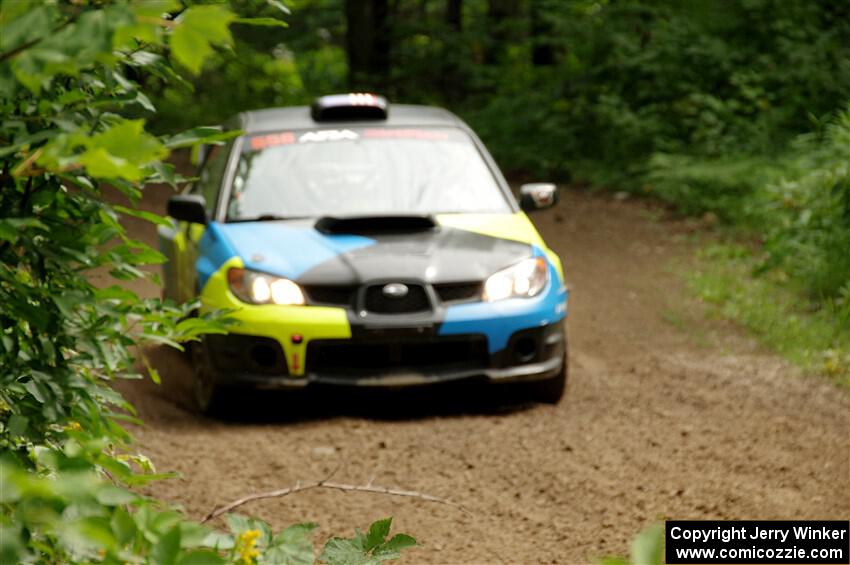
<point>298,117</point>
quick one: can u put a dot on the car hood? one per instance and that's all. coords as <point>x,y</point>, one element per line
<point>294,249</point>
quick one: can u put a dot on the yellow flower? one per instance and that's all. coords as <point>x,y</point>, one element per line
<point>73,426</point>
<point>246,546</point>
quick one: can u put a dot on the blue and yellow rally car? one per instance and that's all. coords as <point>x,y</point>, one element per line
<point>363,244</point>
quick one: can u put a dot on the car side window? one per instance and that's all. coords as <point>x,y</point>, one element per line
<point>211,175</point>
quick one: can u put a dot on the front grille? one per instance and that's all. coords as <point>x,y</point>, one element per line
<point>328,294</point>
<point>367,357</point>
<point>416,300</point>
<point>459,292</point>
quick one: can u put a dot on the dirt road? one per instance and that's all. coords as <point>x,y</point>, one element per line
<point>685,420</point>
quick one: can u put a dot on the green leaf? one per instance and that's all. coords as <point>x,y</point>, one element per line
<point>648,546</point>
<point>613,561</point>
<point>202,557</point>
<point>292,546</point>
<point>392,549</point>
<point>111,495</point>
<point>100,163</point>
<point>147,257</point>
<point>340,551</point>
<point>154,8</point>
<point>35,390</point>
<point>115,292</point>
<point>193,534</point>
<point>200,135</point>
<point>10,228</point>
<point>153,374</point>
<point>17,424</point>
<point>219,540</point>
<point>24,21</point>
<point>166,172</point>
<point>7,232</point>
<point>144,215</point>
<point>238,523</point>
<point>94,531</point>
<point>368,549</point>
<point>270,22</point>
<point>122,151</point>
<point>167,548</point>
<point>378,532</point>
<point>197,29</point>
<point>123,526</point>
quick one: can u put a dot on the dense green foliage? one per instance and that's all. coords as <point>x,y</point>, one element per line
<point>622,80</point>
<point>799,202</point>
<point>69,84</point>
<point>817,339</point>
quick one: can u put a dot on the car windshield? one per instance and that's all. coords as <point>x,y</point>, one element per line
<point>362,172</point>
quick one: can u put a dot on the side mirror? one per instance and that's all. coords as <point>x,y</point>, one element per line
<point>537,195</point>
<point>188,208</point>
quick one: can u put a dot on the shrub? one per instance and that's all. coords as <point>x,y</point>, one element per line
<point>67,84</point>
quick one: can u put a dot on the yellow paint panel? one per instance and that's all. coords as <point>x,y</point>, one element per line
<point>276,322</point>
<point>516,227</point>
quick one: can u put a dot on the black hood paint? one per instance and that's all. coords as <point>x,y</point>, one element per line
<point>439,255</point>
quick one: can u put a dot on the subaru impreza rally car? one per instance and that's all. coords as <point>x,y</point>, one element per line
<point>361,244</point>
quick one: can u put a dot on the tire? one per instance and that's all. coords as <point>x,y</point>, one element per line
<point>551,391</point>
<point>211,398</point>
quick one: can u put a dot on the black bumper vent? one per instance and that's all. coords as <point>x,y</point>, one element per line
<point>246,354</point>
<point>364,357</point>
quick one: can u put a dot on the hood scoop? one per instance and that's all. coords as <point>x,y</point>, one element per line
<point>374,224</point>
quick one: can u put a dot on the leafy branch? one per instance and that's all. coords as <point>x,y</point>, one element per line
<point>67,466</point>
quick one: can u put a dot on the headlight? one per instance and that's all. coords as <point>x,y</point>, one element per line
<point>523,280</point>
<point>260,288</point>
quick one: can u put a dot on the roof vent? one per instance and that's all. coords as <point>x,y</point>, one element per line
<point>349,107</point>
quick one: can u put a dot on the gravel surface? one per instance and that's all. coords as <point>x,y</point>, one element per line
<point>666,415</point>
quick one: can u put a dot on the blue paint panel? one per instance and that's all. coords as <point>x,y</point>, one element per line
<point>213,251</point>
<point>499,320</point>
<point>286,251</point>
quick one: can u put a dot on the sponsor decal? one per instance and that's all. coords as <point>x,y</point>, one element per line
<point>327,135</point>
<point>386,133</point>
<point>268,140</point>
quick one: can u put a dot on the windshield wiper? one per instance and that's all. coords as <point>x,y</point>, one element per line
<point>267,218</point>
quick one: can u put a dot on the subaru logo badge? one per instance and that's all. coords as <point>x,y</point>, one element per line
<point>395,290</point>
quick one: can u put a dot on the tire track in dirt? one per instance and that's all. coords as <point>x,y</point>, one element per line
<point>655,423</point>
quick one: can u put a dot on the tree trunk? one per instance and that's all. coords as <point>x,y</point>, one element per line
<point>500,16</point>
<point>368,43</point>
<point>451,81</point>
<point>454,14</point>
<point>542,53</point>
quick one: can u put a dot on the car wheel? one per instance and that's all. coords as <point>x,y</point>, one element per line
<point>210,396</point>
<point>551,391</point>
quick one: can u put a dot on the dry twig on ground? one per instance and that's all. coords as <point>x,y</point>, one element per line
<point>328,484</point>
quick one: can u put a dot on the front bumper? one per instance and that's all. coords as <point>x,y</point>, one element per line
<point>402,359</point>
<point>292,346</point>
